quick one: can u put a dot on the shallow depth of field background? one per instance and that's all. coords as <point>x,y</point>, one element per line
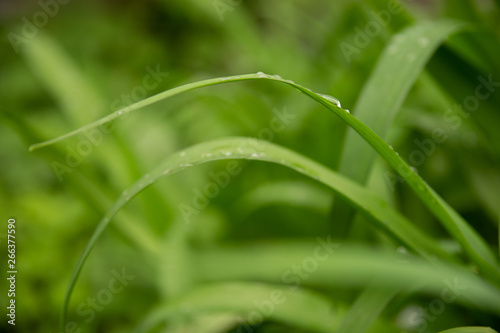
<point>93,57</point>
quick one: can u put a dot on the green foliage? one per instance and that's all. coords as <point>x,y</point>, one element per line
<point>271,215</point>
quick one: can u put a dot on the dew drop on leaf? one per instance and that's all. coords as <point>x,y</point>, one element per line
<point>331,99</point>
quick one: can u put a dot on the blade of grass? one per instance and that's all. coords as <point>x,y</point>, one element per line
<point>381,98</point>
<point>245,148</point>
<point>287,305</point>
<point>474,246</point>
<point>157,98</point>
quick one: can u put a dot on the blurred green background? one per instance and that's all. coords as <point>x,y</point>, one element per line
<point>89,58</point>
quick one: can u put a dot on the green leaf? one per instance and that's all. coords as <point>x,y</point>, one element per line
<point>250,301</point>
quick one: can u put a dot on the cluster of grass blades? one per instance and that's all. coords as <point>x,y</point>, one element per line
<point>382,274</point>
<point>482,293</point>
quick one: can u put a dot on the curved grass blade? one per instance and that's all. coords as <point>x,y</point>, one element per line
<point>397,69</point>
<point>366,201</point>
<point>281,304</point>
<point>156,98</point>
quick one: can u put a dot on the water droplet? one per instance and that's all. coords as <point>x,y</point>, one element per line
<point>262,74</point>
<point>228,153</point>
<point>167,171</point>
<point>347,111</point>
<point>276,77</point>
<point>182,154</point>
<point>392,148</point>
<point>225,78</point>
<point>414,169</point>
<point>119,113</point>
<point>331,99</point>
<point>254,155</point>
<point>401,249</point>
